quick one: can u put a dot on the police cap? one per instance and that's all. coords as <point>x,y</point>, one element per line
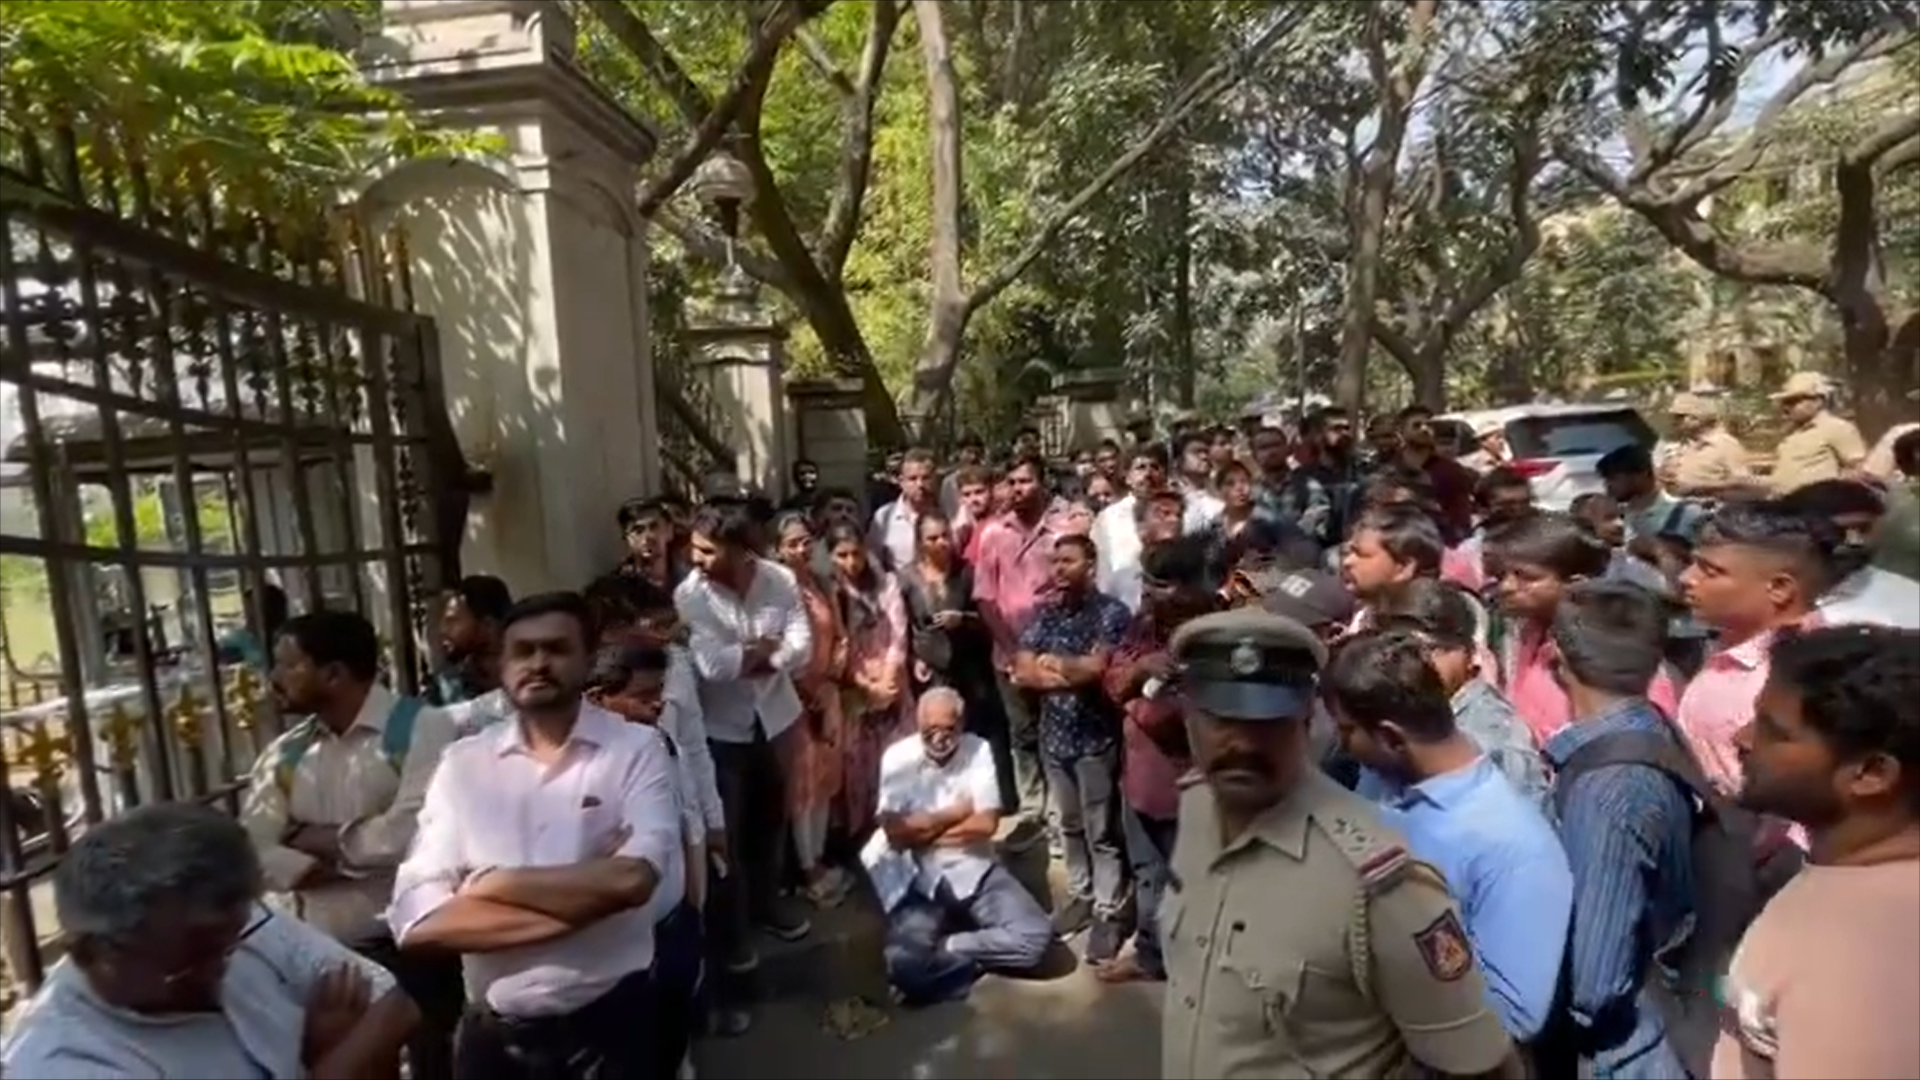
<point>1248,664</point>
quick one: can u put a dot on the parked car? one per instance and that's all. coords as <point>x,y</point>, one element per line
<point>1555,446</point>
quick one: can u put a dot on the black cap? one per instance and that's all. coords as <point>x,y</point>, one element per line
<point>1313,598</point>
<point>1248,664</point>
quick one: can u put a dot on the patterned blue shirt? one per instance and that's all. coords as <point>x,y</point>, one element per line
<point>1485,714</point>
<point>1080,722</point>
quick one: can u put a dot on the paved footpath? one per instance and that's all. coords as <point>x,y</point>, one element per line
<point>1064,1028</point>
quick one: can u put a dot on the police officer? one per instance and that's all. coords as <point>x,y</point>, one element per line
<point>1301,940</point>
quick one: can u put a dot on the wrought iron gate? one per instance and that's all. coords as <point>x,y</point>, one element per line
<point>201,414</point>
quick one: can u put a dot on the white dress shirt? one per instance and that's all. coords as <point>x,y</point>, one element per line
<point>1203,509</point>
<point>347,783</point>
<point>913,783</point>
<point>1873,597</point>
<point>720,624</point>
<point>894,535</point>
<point>492,805</point>
<point>1116,547</point>
<point>685,722</point>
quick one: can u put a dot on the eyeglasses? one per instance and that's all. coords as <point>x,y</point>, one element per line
<point>261,915</point>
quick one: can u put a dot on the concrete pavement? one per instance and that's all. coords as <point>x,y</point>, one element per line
<point>1064,1028</point>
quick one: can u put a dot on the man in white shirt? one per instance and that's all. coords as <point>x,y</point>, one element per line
<point>953,912</point>
<point>175,969</point>
<point>332,804</point>
<point>893,536</point>
<point>1120,531</point>
<point>747,631</point>
<point>547,850</point>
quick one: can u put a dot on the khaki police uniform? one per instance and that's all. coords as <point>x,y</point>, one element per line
<point>1311,945</point>
<point>1711,459</point>
<point>1823,448</point>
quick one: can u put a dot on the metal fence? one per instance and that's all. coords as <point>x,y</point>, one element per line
<point>197,409</point>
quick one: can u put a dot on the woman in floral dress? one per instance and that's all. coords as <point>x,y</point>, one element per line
<point>813,763</point>
<point>875,704</point>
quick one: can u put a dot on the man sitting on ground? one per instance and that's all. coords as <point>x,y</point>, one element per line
<point>953,911</point>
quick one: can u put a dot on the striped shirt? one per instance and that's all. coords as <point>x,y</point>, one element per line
<point>1628,833</point>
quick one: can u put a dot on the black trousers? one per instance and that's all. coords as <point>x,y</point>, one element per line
<point>679,942</point>
<point>612,1037</point>
<point>753,794</point>
<point>434,982</point>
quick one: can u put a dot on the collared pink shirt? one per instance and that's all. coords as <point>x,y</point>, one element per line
<point>1718,703</point>
<point>1540,701</point>
<point>1014,568</point>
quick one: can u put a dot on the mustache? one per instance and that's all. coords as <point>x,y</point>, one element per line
<point>1241,761</point>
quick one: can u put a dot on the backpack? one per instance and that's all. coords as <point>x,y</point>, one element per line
<point>1736,870</point>
<point>395,739</point>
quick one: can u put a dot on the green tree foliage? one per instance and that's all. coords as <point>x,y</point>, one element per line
<point>150,523</point>
<point>259,98</point>
<point>1050,94</point>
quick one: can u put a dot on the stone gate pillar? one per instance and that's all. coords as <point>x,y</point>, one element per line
<point>532,260</point>
<point>830,430</point>
<point>739,351</point>
<point>1095,405</point>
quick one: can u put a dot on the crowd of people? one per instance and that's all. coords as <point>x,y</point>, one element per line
<point>1376,763</point>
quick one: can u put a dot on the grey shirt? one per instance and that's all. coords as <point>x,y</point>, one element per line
<point>68,1033</point>
<point>1483,712</point>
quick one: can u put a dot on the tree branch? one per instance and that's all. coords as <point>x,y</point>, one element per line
<point>768,40</point>
<point>1883,145</point>
<point>1753,146</point>
<point>705,243</point>
<point>823,62</point>
<point>655,59</point>
<point>1208,85</point>
<point>856,142</point>
<point>1719,90</point>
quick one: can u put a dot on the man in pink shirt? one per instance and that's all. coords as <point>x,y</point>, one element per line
<point>1012,570</point>
<point>1757,568</point>
<point>1539,556</point>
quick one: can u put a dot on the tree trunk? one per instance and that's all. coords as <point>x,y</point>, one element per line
<point>1395,84</point>
<point>1882,366</point>
<point>950,307</point>
<point>1429,374</point>
<point>933,374</point>
<point>1186,364</point>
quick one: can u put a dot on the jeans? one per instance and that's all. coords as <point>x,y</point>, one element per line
<point>753,795</point>
<point>1087,804</point>
<point>1028,792</point>
<point>1150,850</point>
<point>937,946</point>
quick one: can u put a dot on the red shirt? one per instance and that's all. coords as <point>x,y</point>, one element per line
<point>1151,781</point>
<point>1453,485</point>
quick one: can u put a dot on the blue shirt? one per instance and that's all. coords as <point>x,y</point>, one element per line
<point>1080,722</point>
<point>1629,838</point>
<point>1507,870</point>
